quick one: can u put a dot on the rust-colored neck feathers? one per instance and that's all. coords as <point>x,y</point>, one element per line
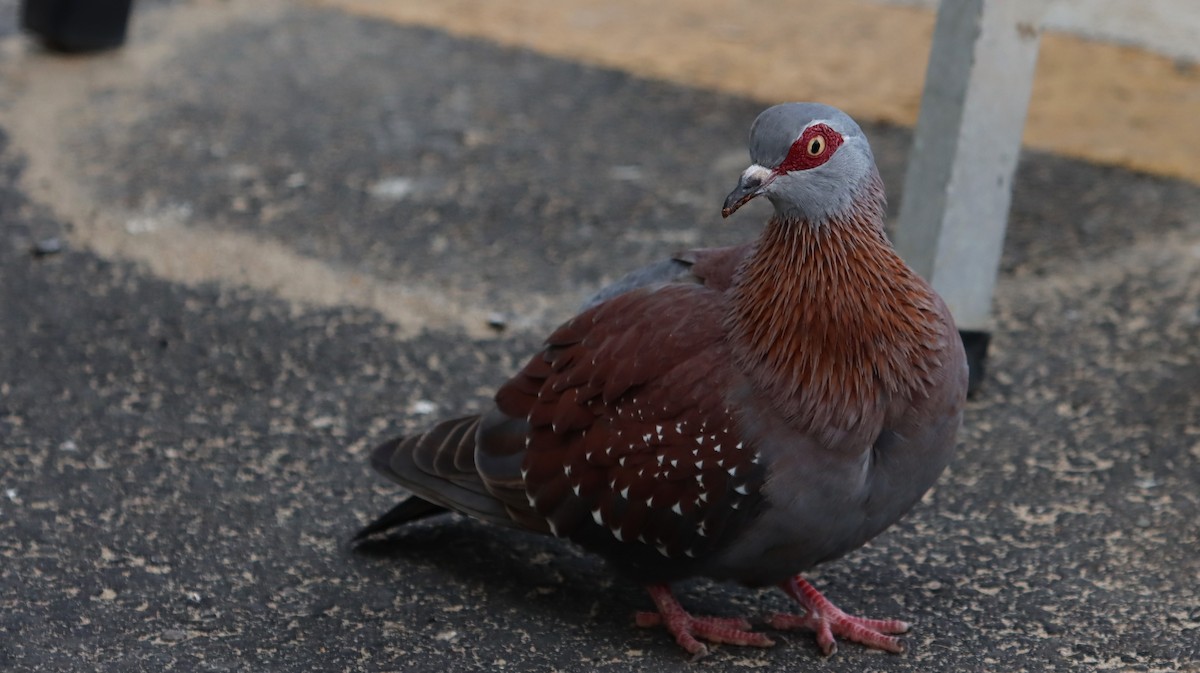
<point>830,321</point>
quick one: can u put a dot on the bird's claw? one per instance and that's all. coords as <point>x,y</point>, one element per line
<point>829,622</point>
<point>688,630</point>
<point>876,633</point>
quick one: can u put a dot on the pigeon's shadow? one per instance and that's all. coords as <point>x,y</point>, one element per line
<point>529,571</point>
<point>537,575</point>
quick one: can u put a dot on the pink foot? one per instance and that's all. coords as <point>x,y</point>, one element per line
<point>827,620</point>
<point>686,628</point>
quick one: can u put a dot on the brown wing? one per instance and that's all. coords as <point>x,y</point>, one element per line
<point>715,267</point>
<point>631,445</point>
<point>712,267</point>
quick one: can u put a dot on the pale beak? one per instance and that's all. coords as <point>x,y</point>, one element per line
<point>752,183</point>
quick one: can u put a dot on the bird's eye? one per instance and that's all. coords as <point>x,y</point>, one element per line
<point>815,145</point>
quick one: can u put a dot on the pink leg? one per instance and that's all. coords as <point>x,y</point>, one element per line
<point>686,628</point>
<point>827,620</point>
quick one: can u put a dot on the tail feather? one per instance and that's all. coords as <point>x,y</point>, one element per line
<point>408,510</point>
<point>438,467</point>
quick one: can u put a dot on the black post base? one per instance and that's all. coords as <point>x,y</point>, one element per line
<point>976,345</point>
<point>77,25</point>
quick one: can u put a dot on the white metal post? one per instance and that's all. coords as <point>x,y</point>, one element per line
<point>959,181</point>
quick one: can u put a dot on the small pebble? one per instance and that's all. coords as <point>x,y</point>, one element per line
<point>626,173</point>
<point>422,407</point>
<point>173,635</point>
<point>48,246</point>
<point>392,189</point>
<point>497,321</point>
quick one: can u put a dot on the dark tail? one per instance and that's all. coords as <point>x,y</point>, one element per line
<point>410,509</point>
<point>438,467</point>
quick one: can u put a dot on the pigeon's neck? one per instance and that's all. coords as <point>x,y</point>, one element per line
<point>829,322</point>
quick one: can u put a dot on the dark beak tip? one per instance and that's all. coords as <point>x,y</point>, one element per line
<point>735,201</point>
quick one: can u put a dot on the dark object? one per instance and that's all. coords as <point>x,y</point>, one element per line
<point>976,345</point>
<point>48,246</point>
<point>77,25</point>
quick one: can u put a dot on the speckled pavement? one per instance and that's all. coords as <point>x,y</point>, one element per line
<point>285,231</point>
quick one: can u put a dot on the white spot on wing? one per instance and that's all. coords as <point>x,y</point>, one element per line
<point>597,518</point>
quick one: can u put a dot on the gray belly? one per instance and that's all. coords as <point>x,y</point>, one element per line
<point>823,505</point>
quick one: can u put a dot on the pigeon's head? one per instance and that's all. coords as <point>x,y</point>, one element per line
<point>812,161</point>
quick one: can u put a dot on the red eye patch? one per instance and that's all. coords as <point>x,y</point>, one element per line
<point>813,148</point>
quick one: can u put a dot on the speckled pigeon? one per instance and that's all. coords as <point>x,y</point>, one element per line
<point>739,413</point>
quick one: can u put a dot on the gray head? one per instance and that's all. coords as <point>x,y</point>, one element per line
<point>812,161</point>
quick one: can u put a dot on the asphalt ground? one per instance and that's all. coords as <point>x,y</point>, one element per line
<point>284,232</point>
